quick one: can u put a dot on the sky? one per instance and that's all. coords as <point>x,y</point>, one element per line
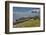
<point>19,12</point>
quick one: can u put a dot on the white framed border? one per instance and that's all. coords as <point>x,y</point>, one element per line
<point>11,29</point>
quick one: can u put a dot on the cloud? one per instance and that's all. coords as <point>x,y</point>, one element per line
<point>37,10</point>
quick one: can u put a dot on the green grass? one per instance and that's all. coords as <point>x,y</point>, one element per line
<point>29,23</point>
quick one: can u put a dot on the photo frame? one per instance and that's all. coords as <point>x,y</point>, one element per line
<point>24,17</point>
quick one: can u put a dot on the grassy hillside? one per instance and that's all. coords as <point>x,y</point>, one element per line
<point>29,23</point>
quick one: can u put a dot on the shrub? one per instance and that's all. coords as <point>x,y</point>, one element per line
<point>36,17</point>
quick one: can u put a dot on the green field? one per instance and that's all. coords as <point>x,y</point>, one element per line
<point>29,23</point>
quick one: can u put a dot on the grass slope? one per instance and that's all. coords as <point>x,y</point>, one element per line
<point>29,23</point>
